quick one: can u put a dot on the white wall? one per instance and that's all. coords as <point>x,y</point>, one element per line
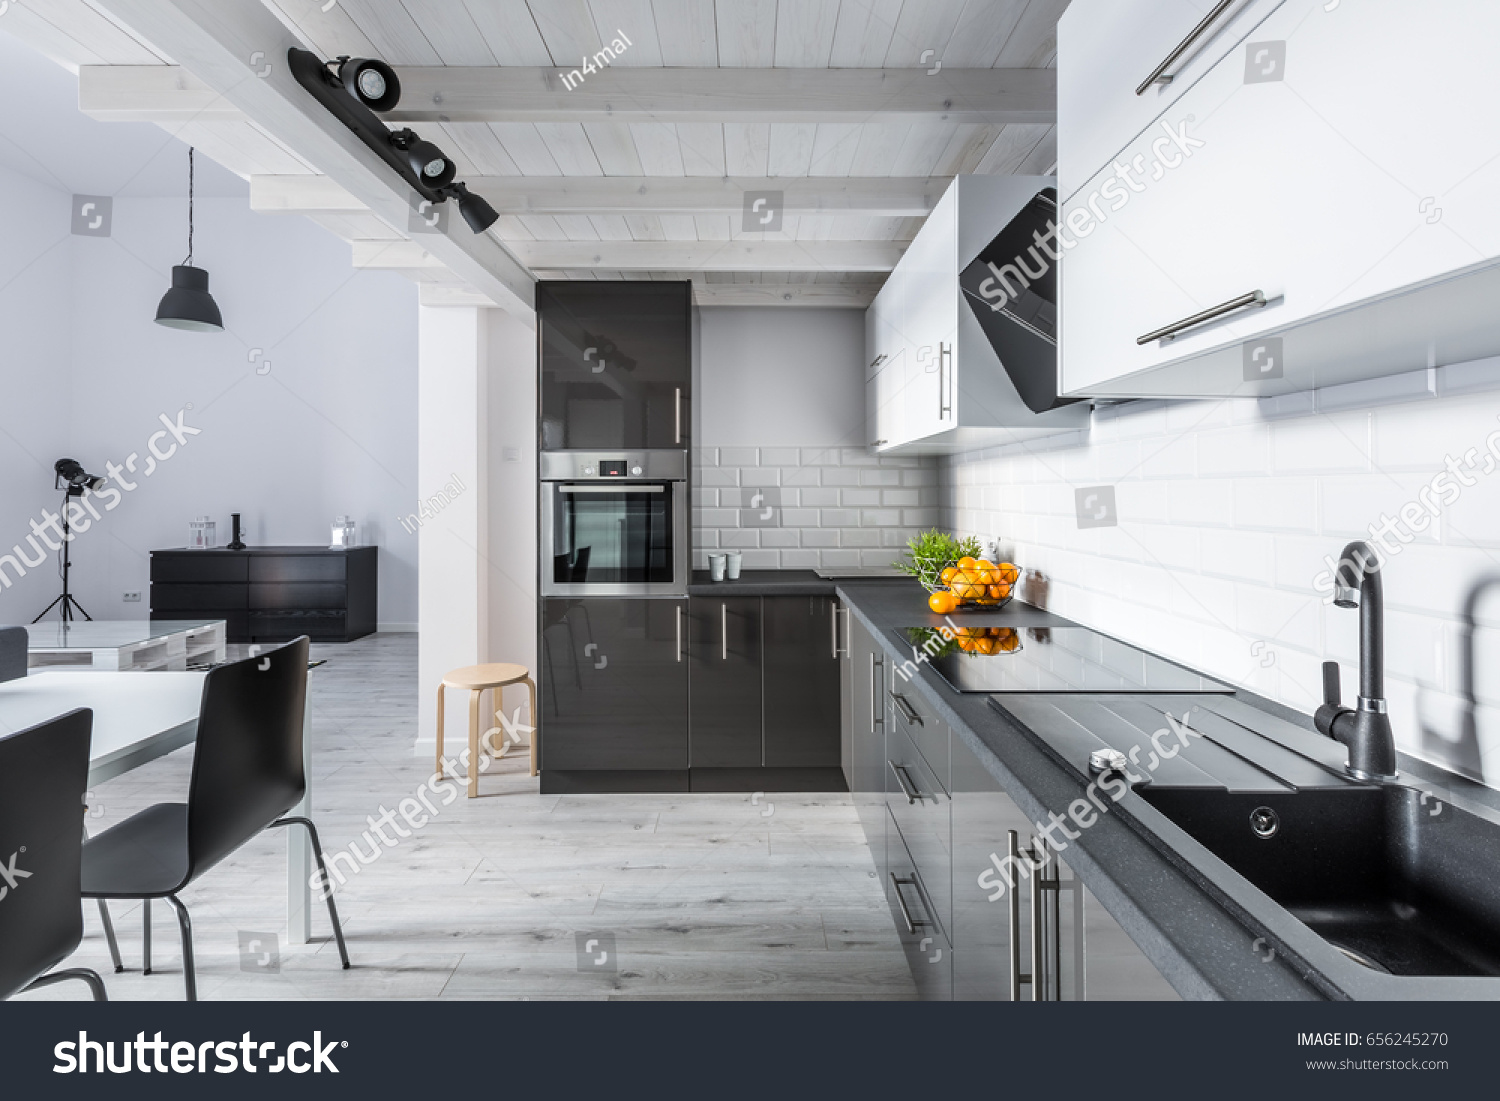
<point>1226,511</point>
<point>790,377</point>
<point>328,429</point>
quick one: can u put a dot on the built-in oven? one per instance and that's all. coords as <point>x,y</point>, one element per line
<point>614,523</point>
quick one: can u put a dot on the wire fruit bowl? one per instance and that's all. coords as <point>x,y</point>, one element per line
<point>982,588</point>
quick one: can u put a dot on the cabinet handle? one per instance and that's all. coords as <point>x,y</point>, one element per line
<point>1256,298</point>
<point>912,924</point>
<point>833,623</point>
<point>840,651</point>
<point>723,632</point>
<point>678,609</point>
<point>908,712</point>
<point>1038,976</point>
<point>1159,74</point>
<point>677,415</point>
<point>878,360</point>
<point>945,407</point>
<point>875,713</point>
<point>1013,918</point>
<point>901,778</point>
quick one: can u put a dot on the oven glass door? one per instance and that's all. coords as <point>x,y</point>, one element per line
<point>612,535</point>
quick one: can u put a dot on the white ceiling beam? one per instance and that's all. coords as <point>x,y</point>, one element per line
<point>683,256</point>
<point>875,197</point>
<point>822,295</point>
<point>238,48</point>
<point>156,93</point>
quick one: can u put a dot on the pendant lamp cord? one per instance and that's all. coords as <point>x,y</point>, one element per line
<point>189,261</point>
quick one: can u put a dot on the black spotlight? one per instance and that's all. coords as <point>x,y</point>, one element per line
<point>477,213</point>
<point>71,472</point>
<point>371,82</point>
<point>430,163</point>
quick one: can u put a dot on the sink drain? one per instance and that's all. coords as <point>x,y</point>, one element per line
<point>1264,823</point>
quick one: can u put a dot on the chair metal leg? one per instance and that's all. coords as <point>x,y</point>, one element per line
<point>189,972</point>
<point>536,724</point>
<point>333,910</point>
<point>146,936</point>
<point>109,936</point>
<point>96,984</point>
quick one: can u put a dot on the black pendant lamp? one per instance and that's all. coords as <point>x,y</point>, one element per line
<point>188,305</point>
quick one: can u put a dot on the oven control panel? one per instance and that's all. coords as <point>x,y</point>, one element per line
<point>654,465</point>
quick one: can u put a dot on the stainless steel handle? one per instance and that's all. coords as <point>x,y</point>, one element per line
<point>945,408</point>
<point>1013,920</point>
<point>912,924</point>
<point>1158,74</point>
<point>908,712</point>
<point>1255,298</point>
<point>901,778</point>
<point>678,609</point>
<point>844,651</point>
<point>677,415</point>
<point>875,712</point>
<point>723,632</point>
<point>1038,979</point>
<point>833,622</point>
<point>632,487</point>
<point>878,360</point>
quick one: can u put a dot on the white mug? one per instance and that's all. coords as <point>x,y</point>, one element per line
<point>716,567</point>
<point>732,561</point>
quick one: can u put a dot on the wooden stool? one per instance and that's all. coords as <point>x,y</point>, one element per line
<point>477,679</point>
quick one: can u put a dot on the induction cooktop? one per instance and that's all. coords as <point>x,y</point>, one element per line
<point>1048,659</point>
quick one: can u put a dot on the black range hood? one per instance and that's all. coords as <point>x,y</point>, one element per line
<point>1011,287</point>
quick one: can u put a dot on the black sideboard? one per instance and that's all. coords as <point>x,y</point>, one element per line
<point>270,594</point>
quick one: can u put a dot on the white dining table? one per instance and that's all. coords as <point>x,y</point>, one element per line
<point>140,716</point>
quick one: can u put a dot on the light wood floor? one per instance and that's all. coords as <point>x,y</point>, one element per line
<point>705,896</point>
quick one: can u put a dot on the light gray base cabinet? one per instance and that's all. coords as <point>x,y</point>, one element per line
<point>941,829</point>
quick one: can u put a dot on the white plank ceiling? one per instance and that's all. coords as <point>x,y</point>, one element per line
<point>695,34</point>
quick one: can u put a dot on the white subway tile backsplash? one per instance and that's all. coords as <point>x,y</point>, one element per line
<point>818,537</point>
<point>879,477</point>
<point>780,456</point>
<point>817,497</point>
<point>801,476</point>
<point>738,456</point>
<point>833,476</point>
<point>718,476</point>
<point>760,476</point>
<point>908,497</point>
<point>1228,512</point>
<point>779,537</point>
<point>880,518</point>
<point>859,497</point>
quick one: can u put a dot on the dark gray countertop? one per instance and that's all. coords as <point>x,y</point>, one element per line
<point>773,583</point>
<point>1192,936</point>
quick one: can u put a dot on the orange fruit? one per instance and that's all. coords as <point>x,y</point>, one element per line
<point>942,602</point>
<point>948,574</point>
<point>999,592</point>
<point>1009,642</point>
<point>1010,573</point>
<point>967,645</point>
<point>986,564</point>
<point>967,563</point>
<point>984,646</point>
<point>986,600</point>
<point>986,576</point>
<point>965,589</point>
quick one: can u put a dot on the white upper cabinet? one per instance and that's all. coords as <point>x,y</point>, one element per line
<point>1113,49</point>
<point>936,384</point>
<point>1333,174</point>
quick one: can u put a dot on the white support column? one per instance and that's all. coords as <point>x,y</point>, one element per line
<point>453,540</point>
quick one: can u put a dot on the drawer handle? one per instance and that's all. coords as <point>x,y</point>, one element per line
<point>912,924</point>
<point>908,712</point>
<point>912,795</point>
<point>1159,74</point>
<point>1256,298</point>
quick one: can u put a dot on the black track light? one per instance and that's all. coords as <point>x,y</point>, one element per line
<point>477,213</point>
<point>431,164</point>
<point>372,82</point>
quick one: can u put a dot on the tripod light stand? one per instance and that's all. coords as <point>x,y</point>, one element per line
<point>69,476</point>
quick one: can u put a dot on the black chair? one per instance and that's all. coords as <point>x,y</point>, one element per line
<point>12,653</point>
<point>247,773</point>
<point>43,773</point>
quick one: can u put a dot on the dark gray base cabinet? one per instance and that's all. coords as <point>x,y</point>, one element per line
<point>764,683</point>
<point>739,693</point>
<point>615,686</point>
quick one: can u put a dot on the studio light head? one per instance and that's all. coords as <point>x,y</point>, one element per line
<point>371,82</point>
<point>430,163</point>
<point>70,474</point>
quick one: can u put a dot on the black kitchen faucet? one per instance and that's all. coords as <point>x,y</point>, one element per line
<point>1366,729</point>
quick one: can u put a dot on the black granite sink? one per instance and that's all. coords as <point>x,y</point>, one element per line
<point>1391,876</point>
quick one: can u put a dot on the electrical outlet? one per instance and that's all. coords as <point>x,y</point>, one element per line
<point>131,597</point>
